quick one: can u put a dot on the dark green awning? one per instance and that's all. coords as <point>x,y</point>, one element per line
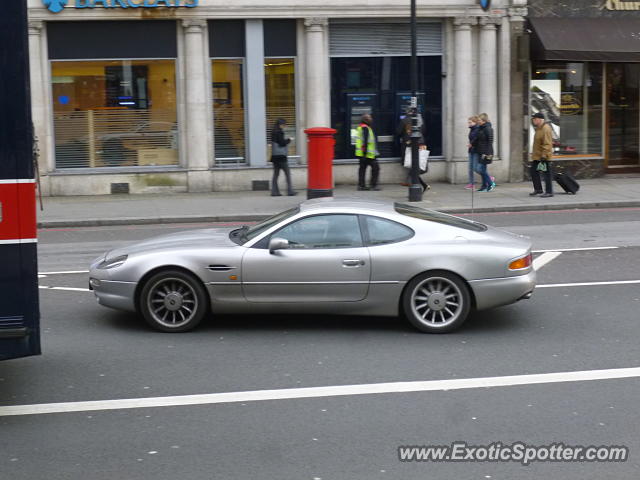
<point>585,39</point>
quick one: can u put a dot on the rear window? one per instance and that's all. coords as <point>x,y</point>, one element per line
<point>437,217</point>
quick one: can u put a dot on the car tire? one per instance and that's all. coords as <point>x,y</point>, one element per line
<point>173,301</point>
<point>436,302</point>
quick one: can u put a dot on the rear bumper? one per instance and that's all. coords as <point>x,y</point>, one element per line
<point>494,292</point>
<point>118,295</point>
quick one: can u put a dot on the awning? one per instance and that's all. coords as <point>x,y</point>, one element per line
<point>586,39</point>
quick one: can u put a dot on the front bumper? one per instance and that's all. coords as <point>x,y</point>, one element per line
<point>495,292</point>
<point>118,295</point>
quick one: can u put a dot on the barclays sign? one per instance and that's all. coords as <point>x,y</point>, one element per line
<point>57,6</point>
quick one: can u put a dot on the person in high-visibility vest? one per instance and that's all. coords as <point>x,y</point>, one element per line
<point>367,152</point>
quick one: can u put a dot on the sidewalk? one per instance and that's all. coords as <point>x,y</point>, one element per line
<point>251,206</point>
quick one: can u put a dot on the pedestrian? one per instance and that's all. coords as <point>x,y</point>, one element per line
<point>484,147</point>
<point>541,153</point>
<point>367,151</point>
<point>405,130</point>
<point>474,156</point>
<point>279,151</point>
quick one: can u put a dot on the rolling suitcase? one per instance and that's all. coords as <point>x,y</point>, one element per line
<point>567,182</point>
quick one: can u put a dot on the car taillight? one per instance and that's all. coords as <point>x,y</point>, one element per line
<point>521,263</point>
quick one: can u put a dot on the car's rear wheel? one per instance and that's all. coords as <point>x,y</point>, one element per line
<point>173,301</point>
<point>436,302</point>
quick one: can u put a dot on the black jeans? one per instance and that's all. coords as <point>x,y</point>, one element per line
<point>375,171</point>
<point>280,163</point>
<point>535,177</point>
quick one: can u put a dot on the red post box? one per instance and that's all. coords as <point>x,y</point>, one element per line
<point>320,162</point>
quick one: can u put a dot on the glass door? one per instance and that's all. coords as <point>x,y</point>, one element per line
<point>623,115</point>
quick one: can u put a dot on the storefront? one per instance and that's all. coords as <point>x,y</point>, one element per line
<point>181,95</point>
<point>585,78</point>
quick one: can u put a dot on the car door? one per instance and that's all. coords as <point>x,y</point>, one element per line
<point>326,262</point>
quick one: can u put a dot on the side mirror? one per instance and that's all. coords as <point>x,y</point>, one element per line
<point>278,244</point>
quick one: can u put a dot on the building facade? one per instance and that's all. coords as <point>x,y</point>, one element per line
<point>585,78</point>
<point>180,95</point>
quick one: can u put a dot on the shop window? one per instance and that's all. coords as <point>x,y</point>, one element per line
<point>228,111</point>
<point>114,113</point>
<point>379,85</point>
<point>623,114</point>
<point>280,95</point>
<point>570,97</point>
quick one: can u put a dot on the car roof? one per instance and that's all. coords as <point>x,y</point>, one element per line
<point>345,203</point>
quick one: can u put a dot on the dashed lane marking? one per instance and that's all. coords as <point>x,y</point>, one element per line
<point>545,258</point>
<point>63,273</point>
<point>575,249</point>
<point>588,284</point>
<point>68,289</point>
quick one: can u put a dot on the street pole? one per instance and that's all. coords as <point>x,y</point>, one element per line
<point>415,190</point>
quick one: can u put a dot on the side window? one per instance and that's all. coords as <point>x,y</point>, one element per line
<point>323,231</point>
<point>383,231</point>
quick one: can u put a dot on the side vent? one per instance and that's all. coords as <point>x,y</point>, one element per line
<point>220,268</point>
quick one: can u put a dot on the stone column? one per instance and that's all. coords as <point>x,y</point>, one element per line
<point>39,110</point>
<point>255,98</point>
<point>195,141</point>
<point>488,75</point>
<point>463,97</point>
<point>317,80</point>
<point>518,94</point>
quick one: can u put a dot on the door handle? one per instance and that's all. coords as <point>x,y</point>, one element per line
<point>352,263</point>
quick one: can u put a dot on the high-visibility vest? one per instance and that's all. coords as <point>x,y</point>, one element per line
<point>371,142</point>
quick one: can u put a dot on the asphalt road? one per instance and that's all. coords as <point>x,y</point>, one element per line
<point>92,353</point>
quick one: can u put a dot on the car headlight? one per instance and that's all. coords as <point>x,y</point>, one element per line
<point>521,263</point>
<point>112,262</point>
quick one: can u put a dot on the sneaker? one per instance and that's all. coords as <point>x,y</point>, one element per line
<point>276,195</point>
<point>470,186</point>
<point>546,195</point>
<point>363,188</point>
<point>483,190</point>
<point>491,187</point>
<point>376,189</point>
<point>535,194</point>
<point>291,194</point>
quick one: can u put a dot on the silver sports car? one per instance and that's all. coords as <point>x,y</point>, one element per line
<point>324,256</point>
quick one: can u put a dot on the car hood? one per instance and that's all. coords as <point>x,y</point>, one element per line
<point>190,239</point>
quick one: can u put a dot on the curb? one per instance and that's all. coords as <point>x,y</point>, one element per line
<point>106,222</point>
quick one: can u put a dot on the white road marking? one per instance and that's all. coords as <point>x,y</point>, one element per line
<point>319,392</point>
<point>67,289</point>
<point>545,258</point>
<point>588,284</point>
<point>575,249</point>
<point>63,273</point>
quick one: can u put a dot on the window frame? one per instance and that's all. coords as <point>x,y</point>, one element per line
<point>263,243</point>
<point>364,227</point>
<point>180,121</point>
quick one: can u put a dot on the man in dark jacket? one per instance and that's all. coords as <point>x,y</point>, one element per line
<point>541,153</point>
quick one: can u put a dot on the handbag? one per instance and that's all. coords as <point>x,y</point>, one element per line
<point>486,159</point>
<point>542,166</point>
<point>423,159</point>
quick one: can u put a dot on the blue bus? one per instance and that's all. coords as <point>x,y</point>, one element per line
<point>19,310</point>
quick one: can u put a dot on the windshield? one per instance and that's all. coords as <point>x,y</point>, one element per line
<point>244,234</point>
<point>443,218</point>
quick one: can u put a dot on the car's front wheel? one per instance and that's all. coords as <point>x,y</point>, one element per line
<point>173,301</point>
<point>436,302</point>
